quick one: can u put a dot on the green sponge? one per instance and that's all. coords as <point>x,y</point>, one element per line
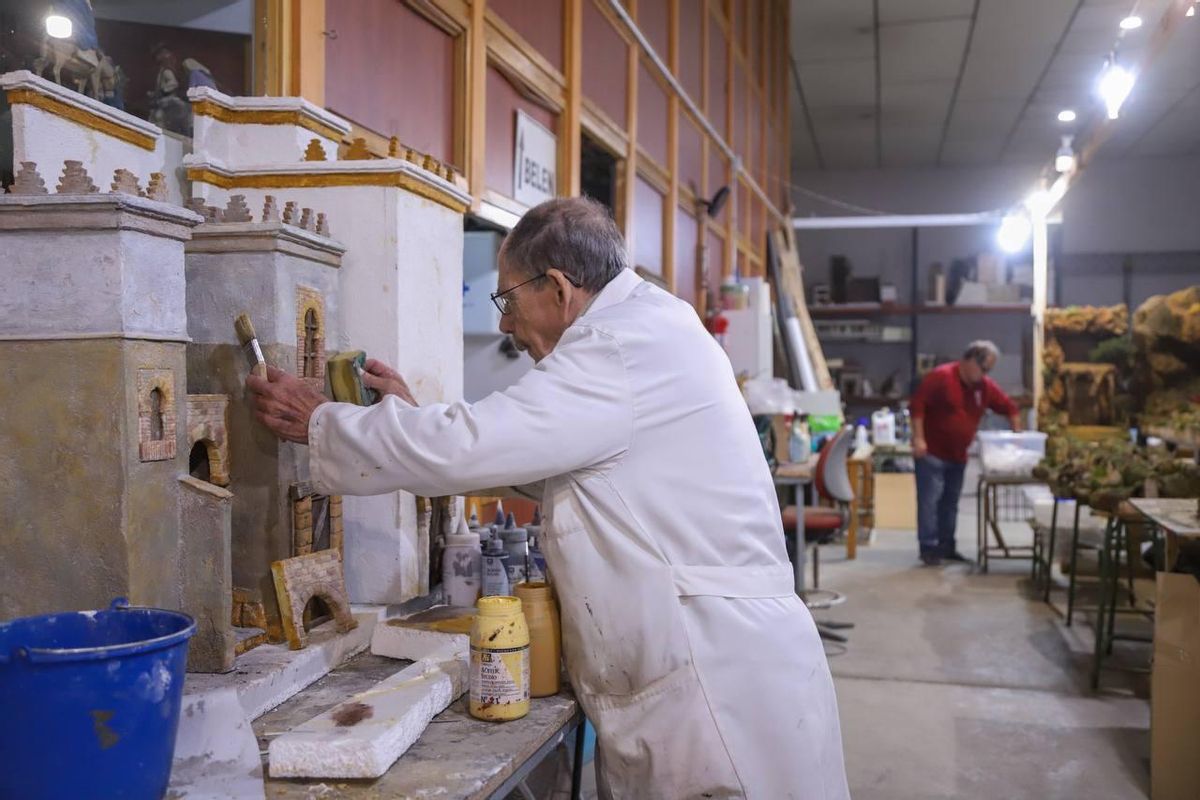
<point>345,378</point>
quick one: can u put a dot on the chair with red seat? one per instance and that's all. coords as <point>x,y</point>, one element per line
<point>822,523</point>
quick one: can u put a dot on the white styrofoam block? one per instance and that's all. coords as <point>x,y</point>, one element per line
<point>216,752</point>
<point>271,673</point>
<point>364,736</point>
<point>414,644</point>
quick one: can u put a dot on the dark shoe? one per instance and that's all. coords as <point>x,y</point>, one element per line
<point>955,556</point>
<point>931,559</point>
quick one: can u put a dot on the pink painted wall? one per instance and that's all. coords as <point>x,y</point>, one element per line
<point>370,80</point>
<point>503,100</point>
<point>604,63</point>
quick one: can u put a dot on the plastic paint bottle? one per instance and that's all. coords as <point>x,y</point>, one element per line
<point>499,688</point>
<point>516,544</point>
<point>545,637</point>
<point>462,570</point>
<point>495,572</point>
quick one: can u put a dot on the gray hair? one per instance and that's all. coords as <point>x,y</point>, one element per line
<point>980,349</point>
<point>574,234</point>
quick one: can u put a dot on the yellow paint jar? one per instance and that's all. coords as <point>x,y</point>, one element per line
<point>545,642</point>
<point>499,660</point>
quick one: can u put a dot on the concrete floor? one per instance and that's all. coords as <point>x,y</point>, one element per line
<point>956,684</point>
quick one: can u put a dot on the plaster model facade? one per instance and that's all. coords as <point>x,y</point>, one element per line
<point>129,459</point>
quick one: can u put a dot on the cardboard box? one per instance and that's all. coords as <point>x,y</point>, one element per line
<point>895,501</point>
<point>1175,690</point>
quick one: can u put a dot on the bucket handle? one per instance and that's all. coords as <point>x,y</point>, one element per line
<point>117,604</point>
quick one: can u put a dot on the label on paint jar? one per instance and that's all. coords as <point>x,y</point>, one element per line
<point>499,676</point>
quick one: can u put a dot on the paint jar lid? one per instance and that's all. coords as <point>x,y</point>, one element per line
<point>462,540</point>
<point>499,606</point>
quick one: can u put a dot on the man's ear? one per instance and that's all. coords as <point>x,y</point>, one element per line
<point>562,286</point>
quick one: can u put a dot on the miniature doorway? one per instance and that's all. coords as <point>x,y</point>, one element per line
<point>199,466</point>
<point>316,526</point>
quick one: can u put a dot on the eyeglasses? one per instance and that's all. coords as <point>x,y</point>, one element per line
<point>505,303</point>
<point>983,364</point>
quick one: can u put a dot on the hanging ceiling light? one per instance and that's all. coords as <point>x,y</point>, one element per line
<point>1015,230</point>
<point>1114,87</point>
<point>1131,23</point>
<point>58,26</point>
<point>1066,115</point>
<point>1064,159</point>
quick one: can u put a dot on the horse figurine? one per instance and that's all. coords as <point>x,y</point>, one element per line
<point>84,65</point>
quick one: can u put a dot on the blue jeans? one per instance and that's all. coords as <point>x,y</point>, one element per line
<point>939,484</point>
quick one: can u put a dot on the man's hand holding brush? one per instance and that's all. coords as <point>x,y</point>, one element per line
<point>284,404</point>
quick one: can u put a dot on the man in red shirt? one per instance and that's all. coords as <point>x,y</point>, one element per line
<point>946,409</point>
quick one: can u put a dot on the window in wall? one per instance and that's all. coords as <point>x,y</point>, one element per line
<point>648,226</point>
<point>310,344</point>
<point>156,414</point>
<point>310,333</point>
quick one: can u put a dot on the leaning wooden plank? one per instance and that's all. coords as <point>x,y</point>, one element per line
<point>363,737</point>
<point>792,285</point>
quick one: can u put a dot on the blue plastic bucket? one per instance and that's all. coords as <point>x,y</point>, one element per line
<point>90,702</point>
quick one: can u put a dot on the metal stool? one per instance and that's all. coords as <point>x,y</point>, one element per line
<point>1116,549</point>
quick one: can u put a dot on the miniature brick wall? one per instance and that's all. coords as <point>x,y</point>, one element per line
<point>150,448</point>
<point>310,300</point>
<point>208,422</point>
<point>300,579</point>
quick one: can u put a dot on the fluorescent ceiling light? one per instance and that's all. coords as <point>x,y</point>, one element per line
<point>1131,23</point>
<point>58,26</point>
<point>1066,115</point>
<point>1114,87</point>
<point>1191,12</point>
<point>1014,233</point>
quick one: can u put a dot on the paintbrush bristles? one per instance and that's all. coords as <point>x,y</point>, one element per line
<point>244,328</point>
<point>249,342</point>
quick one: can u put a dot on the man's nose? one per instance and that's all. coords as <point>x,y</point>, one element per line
<point>506,325</point>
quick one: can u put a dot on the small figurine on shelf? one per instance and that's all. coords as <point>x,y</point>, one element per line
<point>168,110</point>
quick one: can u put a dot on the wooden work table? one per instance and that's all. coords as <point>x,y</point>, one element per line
<point>457,757</point>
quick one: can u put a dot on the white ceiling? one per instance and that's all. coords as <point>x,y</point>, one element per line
<point>916,83</point>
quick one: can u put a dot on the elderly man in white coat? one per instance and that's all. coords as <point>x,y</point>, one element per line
<point>684,640</point>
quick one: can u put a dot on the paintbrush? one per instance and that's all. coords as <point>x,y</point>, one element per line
<point>245,334</point>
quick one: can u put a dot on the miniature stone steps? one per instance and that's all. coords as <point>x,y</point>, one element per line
<point>246,639</point>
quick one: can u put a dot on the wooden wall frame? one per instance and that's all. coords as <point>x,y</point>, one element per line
<point>289,48</point>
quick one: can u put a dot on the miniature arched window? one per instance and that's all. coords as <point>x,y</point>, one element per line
<point>156,415</point>
<point>311,335</point>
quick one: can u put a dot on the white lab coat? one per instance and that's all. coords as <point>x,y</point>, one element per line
<point>686,645</point>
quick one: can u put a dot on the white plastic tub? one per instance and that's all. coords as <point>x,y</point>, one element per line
<point>1005,454</point>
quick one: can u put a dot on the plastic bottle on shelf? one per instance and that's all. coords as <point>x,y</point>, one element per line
<point>861,439</point>
<point>883,427</point>
<point>461,567</point>
<point>800,441</point>
<point>516,544</point>
<point>495,572</point>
